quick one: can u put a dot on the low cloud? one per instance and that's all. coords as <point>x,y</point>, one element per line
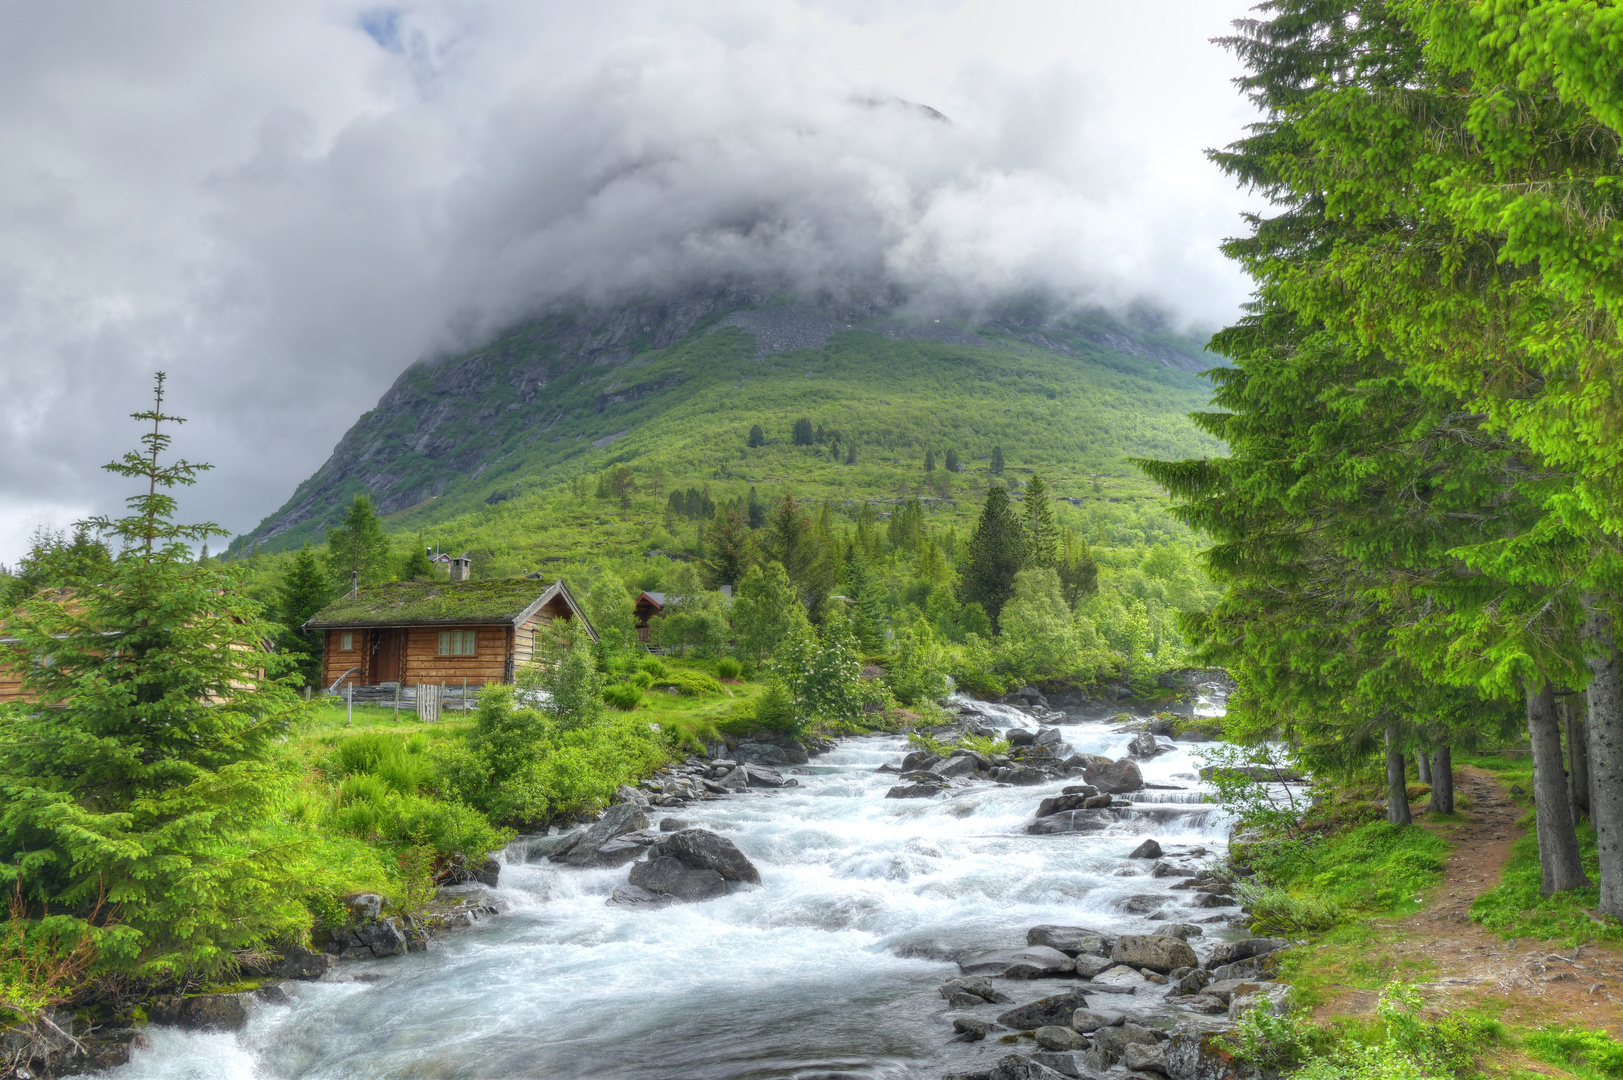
<point>285,204</point>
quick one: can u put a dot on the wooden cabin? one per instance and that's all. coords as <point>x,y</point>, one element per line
<point>412,632</point>
<point>11,683</point>
<point>649,606</point>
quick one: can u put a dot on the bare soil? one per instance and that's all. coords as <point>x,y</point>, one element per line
<point>1525,982</point>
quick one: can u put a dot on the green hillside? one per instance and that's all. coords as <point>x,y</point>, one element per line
<point>500,450</point>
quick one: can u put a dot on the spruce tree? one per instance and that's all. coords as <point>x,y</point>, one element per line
<point>1042,534</point>
<point>1078,573</point>
<point>357,548</point>
<point>306,589</point>
<point>997,552</point>
<point>757,436</point>
<point>851,454</point>
<point>417,566</point>
<point>729,549</point>
<point>997,461</point>
<point>802,434</point>
<point>929,461</point>
<point>953,465</point>
<point>793,541</point>
<point>138,793</point>
<point>757,510</point>
<point>55,560</point>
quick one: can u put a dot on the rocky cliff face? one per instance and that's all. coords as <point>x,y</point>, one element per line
<point>446,421</point>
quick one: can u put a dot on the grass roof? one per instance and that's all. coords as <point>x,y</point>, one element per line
<point>406,603</point>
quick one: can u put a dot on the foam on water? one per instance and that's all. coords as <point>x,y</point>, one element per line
<point>829,967</point>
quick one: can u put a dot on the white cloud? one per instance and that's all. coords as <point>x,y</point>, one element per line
<point>284,204</point>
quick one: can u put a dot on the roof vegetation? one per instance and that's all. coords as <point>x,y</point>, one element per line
<point>403,603</point>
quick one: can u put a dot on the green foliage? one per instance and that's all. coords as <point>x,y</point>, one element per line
<point>953,464</point>
<point>1040,637</point>
<point>775,709</point>
<point>1590,1055</point>
<point>696,622</point>
<point>802,432</point>
<point>1516,907</point>
<point>689,683</point>
<point>567,673</point>
<point>624,696</point>
<point>417,566</point>
<point>55,560</point>
<point>917,671</point>
<point>1042,534</point>
<point>357,548</point>
<point>766,610</point>
<point>144,783</point>
<point>612,610</point>
<point>729,548</point>
<point>757,437</point>
<point>728,668</point>
<point>997,461</point>
<point>822,672</point>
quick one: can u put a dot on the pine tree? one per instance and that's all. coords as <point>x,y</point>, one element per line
<point>757,510</point>
<point>417,566</point>
<point>802,432</point>
<point>953,465</point>
<point>851,454</point>
<point>142,785</point>
<point>1042,534</point>
<point>357,548</point>
<point>55,561</point>
<point>865,610</point>
<point>306,589</point>
<point>997,461</point>
<point>757,436</point>
<point>792,540</point>
<point>929,461</point>
<point>729,549</point>
<point>997,552</point>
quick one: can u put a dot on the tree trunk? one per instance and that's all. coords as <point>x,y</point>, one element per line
<point>1606,757</point>
<point>1557,843</point>
<point>1577,760</point>
<point>1442,780</point>
<point>1397,794</point>
<point>1422,766</point>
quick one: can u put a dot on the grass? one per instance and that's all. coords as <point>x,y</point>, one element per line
<point>1589,1055</point>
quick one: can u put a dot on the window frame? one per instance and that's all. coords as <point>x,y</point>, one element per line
<point>346,642</point>
<point>457,644</point>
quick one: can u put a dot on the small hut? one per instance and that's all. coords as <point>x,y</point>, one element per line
<point>412,632</point>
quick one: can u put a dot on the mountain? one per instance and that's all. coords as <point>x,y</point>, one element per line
<point>671,387</point>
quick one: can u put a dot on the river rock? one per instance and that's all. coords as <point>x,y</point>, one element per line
<point>1022,736</point>
<point>1271,997</point>
<point>363,906</point>
<point>1140,1058</point>
<point>754,752</point>
<point>619,820</point>
<point>301,963</point>
<point>1183,931</point>
<point>670,876</point>
<point>1089,967</point>
<point>1033,962</point>
<point>1196,1052</point>
<point>734,780</point>
<point>1192,983</point>
<point>1070,940</point>
<point>206,1012</point>
<point>1020,1067</point>
<point>625,793</point>
<point>915,791</point>
<point>1054,1011</point>
<point>1244,949</point>
<point>1087,1020</point>
<point>1079,789</point>
<point>1053,1037</point>
<point>1144,903</point>
<point>1116,778</point>
<point>701,849</point>
<point>1255,968</point>
<point>545,847</point>
<point>1149,849</point>
<point>763,776</point>
<point>1108,1045</point>
<point>1164,869</point>
<point>1072,821</point>
<point>977,986</point>
<point>1019,775</point>
<point>1062,1062</point>
<point>623,849</point>
<point>1225,989</point>
<point>972,1029</point>
<point>958,765</point>
<point>1048,736</point>
<point>1157,952</point>
<point>1055,804</point>
<point>674,824</point>
<point>1119,975</point>
<point>633,895</point>
<point>1143,747</point>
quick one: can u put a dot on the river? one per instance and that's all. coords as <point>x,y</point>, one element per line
<point>829,968</point>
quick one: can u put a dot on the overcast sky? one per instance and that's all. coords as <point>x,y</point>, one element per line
<point>283,204</point>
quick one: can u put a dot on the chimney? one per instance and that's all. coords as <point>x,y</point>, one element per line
<point>354,583</point>
<point>461,567</point>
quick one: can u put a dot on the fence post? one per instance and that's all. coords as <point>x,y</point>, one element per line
<point>349,701</point>
<point>464,696</point>
<point>397,703</point>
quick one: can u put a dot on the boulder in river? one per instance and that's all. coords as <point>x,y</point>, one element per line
<point>957,765</point>
<point>1056,804</point>
<point>1056,1037</point>
<point>971,1028</point>
<point>1149,849</point>
<point>1071,940</point>
<point>1032,962</point>
<point>668,875</point>
<point>1196,1051</point>
<point>1072,821</point>
<point>1157,952</point>
<point>1139,1058</point>
<point>977,986</point>
<point>1055,1011</point>
<point>702,849</point>
<point>623,849</point>
<point>619,820</point>
<point>764,776</point>
<point>1089,966</point>
<point>1143,747</point>
<point>1244,949</point>
<point>1088,1020</point>
<point>1115,778</point>
<point>1020,1067</point>
<point>915,791</point>
<point>755,752</point>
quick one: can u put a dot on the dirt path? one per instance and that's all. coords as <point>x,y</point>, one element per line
<point>1530,981</point>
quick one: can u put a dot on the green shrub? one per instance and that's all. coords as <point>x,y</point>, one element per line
<point>642,680</point>
<point>654,666</point>
<point>368,808</point>
<point>1274,911</point>
<point>774,710</point>
<point>399,761</point>
<point>729,668</point>
<point>690,683</point>
<point>625,696</point>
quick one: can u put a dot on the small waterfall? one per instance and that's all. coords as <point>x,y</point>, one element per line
<point>830,967</point>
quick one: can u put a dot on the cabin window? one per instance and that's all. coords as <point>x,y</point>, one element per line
<point>458,642</point>
<point>346,642</point>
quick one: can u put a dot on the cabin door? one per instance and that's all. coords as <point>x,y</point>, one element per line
<point>389,659</point>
